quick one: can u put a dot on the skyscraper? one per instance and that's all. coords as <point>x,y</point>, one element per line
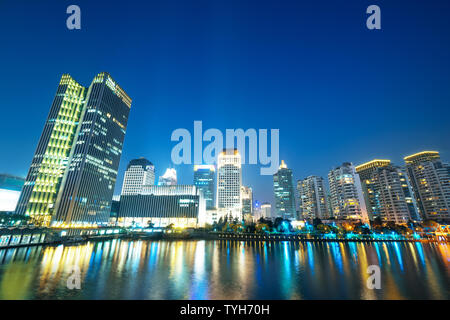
<point>74,169</point>
<point>430,179</point>
<point>284,192</point>
<point>386,191</point>
<point>313,200</point>
<point>347,200</point>
<point>229,181</point>
<point>169,178</point>
<point>204,179</point>
<point>247,200</point>
<point>140,172</point>
<point>51,158</point>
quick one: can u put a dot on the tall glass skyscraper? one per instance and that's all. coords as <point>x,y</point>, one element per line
<point>229,181</point>
<point>38,197</point>
<point>74,170</point>
<point>204,180</point>
<point>284,192</point>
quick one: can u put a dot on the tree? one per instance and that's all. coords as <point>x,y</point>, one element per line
<point>262,227</point>
<point>316,222</point>
<point>282,225</point>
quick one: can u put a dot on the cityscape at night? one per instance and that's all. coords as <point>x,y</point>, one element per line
<point>225,150</point>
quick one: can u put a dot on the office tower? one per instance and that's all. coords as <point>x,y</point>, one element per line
<point>179,205</point>
<point>87,189</point>
<point>74,169</point>
<point>140,172</point>
<point>51,158</point>
<point>204,179</point>
<point>266,210</point>
<point>10,187</point>
<point>247,200</point>
<point>313,200</point>
<point>229,181</point>
<point>169,178</point>
<point>347,200</point>
<point>284,192</point>
<point>430,179</point>
<point>386,191</point>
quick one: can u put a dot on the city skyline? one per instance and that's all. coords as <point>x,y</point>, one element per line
<point>372,94</point>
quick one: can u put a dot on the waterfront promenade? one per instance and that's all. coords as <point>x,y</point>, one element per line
<point>22,237</point>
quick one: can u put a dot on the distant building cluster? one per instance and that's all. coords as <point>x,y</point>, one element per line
<point>378,189</point>
<point>73,172</point>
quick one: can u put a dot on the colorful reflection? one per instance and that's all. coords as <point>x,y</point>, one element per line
<point>119,269</point>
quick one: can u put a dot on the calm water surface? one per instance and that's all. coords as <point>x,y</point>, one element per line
<point>119,269</point>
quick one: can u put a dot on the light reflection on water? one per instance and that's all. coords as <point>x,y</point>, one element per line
<point>119,269</point>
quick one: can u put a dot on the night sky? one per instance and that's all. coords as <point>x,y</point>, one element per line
<point>336,90</point>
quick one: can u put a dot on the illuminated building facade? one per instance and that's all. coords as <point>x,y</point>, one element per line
<point>51,158</point>
<point>284,192</point>
<point>180,205</point>
<point>10,187</point>
<point>387,191</point>
<point>247,200</point>
<point>86,193</point>
<point>313,199</point>
<point>169,178</point>
<point>204,179</point>
<point>229,181</point>
<point>347,200</point>
<point>139,172</point>
<point>430,179</point>
<point>266,210</point>
<point>72,176</point>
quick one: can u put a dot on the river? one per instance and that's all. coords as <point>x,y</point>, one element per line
<point>219,269</point>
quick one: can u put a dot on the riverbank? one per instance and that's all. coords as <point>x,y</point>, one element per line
<point>37,237</point>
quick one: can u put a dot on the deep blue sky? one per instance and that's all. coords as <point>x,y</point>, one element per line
<point>337,91</point>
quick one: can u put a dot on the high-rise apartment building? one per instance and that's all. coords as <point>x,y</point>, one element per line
<point>247,200</point>
<point>204,179</point>
<point>430,179</point>
<point>347,200</point>
<point>74,169</point>
<point>169,178</point>
<point>387,192</point>
<point>312,197</point>
<point>229,181</point>
<point>284,192</point>
<point>140,172</point>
